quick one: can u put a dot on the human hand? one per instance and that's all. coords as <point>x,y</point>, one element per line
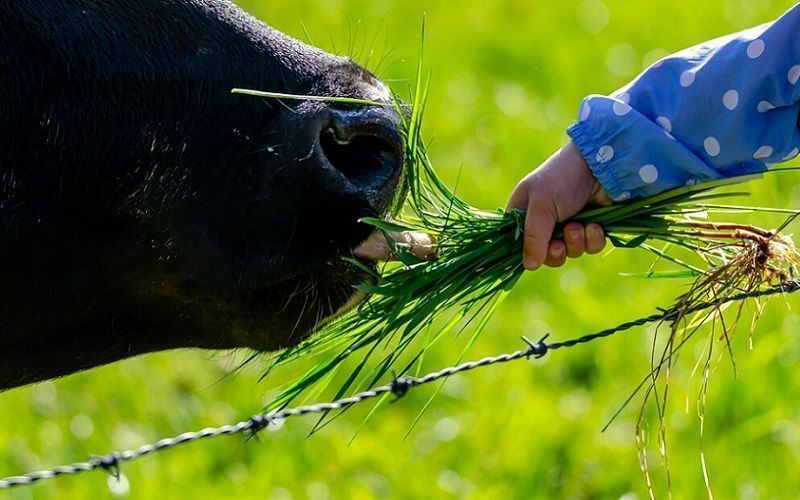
<point>560,188</point>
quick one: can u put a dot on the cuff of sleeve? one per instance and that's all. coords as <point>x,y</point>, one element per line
<point>632,156</point>
<point>595,156</point>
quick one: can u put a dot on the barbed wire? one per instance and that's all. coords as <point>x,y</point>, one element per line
<point>110,462</point>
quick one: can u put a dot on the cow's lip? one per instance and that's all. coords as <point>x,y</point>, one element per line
<point>376,249</point>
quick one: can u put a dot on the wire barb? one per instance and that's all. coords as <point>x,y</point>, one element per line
<point>109,463</point>
<point>258,422</point>
<point>537,350</point>
<point>399,387</point>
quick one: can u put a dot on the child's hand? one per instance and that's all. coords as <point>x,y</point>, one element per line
<point>552,193</point>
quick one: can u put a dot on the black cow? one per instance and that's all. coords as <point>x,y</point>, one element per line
<point>144,207</point>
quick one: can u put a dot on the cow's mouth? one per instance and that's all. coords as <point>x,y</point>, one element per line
<point>353,170</point>
<point>331,290</point>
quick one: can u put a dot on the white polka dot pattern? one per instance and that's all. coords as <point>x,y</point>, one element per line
<point>620,108</point>
<point>605,154</point>
<point>792,154</point>
<point>712,147</point>
<point>649,173</point>
<point>586,110</point>
<point>623,196</point>
<point>755,48</point>
<point>730,99</point>
<point>763,152</point>
<point>765,106</point>
<point>794,74</point>
<point>687,78</point>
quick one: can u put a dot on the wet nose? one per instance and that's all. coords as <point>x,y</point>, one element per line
<point>366,148</point>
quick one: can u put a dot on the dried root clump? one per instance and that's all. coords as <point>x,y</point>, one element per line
<point>742,259</point>
<point>747,258</point>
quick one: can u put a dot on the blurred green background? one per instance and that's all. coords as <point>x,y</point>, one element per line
<point>507,80</point>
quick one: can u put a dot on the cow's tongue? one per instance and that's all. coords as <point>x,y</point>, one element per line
<point>375,248</point>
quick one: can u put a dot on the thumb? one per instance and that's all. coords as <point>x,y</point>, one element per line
<point>540,221</point>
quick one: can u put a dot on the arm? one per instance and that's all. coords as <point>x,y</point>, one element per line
<point>723,108</point>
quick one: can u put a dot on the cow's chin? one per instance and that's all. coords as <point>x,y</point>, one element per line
<point>287,313</point>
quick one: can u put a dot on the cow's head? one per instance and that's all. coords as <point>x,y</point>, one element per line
<point>146,207</point>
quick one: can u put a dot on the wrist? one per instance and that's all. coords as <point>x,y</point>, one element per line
<point>578,169</point>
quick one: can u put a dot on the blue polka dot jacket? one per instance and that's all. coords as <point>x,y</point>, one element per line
<point>723,108</point>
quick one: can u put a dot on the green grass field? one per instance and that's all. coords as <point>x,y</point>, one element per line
<point>507,78</point>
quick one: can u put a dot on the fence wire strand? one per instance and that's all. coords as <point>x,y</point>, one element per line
<point>110,462</point>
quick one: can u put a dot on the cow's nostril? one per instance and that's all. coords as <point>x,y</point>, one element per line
<point>368,154</point>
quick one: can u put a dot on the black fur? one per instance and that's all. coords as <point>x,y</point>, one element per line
<point>143,207</point>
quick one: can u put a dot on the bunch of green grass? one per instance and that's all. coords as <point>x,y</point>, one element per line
<point>414,302</point>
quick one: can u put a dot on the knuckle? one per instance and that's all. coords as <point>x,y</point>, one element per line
<point>530,240</point>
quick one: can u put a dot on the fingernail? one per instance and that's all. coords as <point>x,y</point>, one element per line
<point>558,252</point>
<point>530,263</point>
<point>574,234</point>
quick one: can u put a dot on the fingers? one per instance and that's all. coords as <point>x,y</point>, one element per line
<point>556,254</point>
<point>575,238</point>
<point>595,239</point>
<point>539,225</point>
<point>577,241</point>
<point>540,222</point>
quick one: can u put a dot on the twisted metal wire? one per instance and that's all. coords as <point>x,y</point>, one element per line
<point>399,387</point>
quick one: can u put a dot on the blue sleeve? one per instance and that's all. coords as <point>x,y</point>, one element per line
<point>723,108</point>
